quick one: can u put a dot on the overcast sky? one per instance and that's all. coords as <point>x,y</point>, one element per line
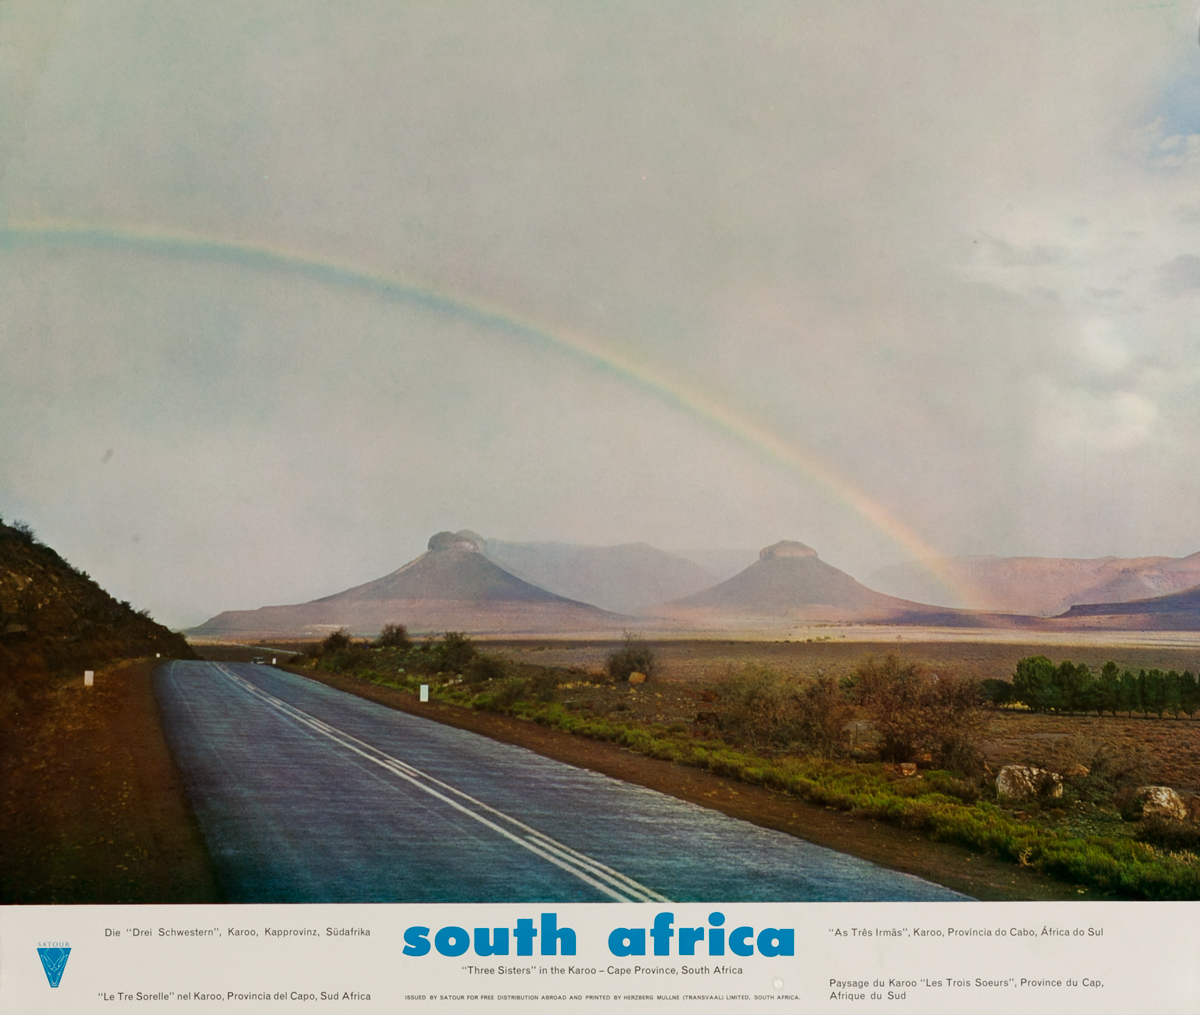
<point>288,287</point>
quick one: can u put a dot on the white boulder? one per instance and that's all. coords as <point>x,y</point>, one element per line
<point>1025,782</point>
<point>1154,802</point>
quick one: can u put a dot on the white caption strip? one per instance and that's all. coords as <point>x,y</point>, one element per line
<point>600,876</point>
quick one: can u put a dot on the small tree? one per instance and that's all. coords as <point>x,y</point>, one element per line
<point>1171,695</point>
<point>394,636</point>
<point>25,531</point>
<point>998,692</point>
<point>453,653</point>
<point>1156,692</point>
<point>1034,683</point>
<point>634,657</point>
<point>1131,700</point>
<point>915,711</point>
<point>336,641</point>
<point>1188,696</point>
<point>1108,689</point>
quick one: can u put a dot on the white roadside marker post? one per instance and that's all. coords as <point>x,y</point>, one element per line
<point>274,660</point>
<point>88,677</point>
<point>424,692</point>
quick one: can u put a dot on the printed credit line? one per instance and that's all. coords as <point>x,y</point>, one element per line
<point>600,876</point>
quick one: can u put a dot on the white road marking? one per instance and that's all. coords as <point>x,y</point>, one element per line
<point>603,878</point>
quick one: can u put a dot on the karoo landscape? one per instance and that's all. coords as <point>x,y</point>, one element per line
<point>1035,741</point>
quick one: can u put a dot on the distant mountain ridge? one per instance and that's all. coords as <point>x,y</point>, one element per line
<point>466,582</point>
<point>626,578</point>
<point>1040,586</point>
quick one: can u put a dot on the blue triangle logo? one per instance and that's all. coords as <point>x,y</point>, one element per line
<point>54,961</point>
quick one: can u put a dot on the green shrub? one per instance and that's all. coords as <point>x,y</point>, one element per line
<point>347,659</point>
<point>998,692</point>
<point>502,698</point>
<point>394,636</point>
<point>1169,834</point>
<point>485,667</point>
<point>543,685</point>
<point>336,641</point>
<point>453,653</point>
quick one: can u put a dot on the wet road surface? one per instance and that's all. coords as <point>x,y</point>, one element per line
<point>308,794</point>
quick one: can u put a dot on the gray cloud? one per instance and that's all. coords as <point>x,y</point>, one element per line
<point>1180,275</point>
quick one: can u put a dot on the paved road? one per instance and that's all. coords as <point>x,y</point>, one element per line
<point>307,794</point>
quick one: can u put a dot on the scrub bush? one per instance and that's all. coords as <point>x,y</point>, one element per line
<point>394,636</point>
<point>915,711</point>
<point>634,657</point>
<point>765,709</point>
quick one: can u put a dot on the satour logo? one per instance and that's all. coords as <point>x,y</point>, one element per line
<point>54,955</point>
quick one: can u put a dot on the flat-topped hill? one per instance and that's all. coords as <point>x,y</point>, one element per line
<point>452,586</point>
<point>790,580</point>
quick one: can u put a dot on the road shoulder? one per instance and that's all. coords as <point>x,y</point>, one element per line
<point>94,809</point>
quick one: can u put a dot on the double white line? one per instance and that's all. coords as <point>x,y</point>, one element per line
<point>603,878</point>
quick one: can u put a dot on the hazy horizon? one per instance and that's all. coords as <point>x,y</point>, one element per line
<point>285,289</point>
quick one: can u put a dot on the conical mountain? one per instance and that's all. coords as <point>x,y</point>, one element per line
<point>452,586</point>
<point>453,570</point>
<point>789,581</point>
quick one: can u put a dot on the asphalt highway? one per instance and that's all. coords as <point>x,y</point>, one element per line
<point>307,794</point>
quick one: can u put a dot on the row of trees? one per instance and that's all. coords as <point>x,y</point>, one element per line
<point>1043,686</point>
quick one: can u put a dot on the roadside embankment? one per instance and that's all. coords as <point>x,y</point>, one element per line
<point>93,809</point>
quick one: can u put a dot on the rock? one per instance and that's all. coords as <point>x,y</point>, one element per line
<point>786,548</point>
<point>1024,782</point>
<point>1153,802</point>
<point>441,541</point>
<point>1192,803</point>
<point>907,769</point>
<point>637,678</point>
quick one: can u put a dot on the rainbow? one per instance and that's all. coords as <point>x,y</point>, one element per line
<point>794,459</point>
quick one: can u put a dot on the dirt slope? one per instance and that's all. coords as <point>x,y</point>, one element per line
<point>55,618</point>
